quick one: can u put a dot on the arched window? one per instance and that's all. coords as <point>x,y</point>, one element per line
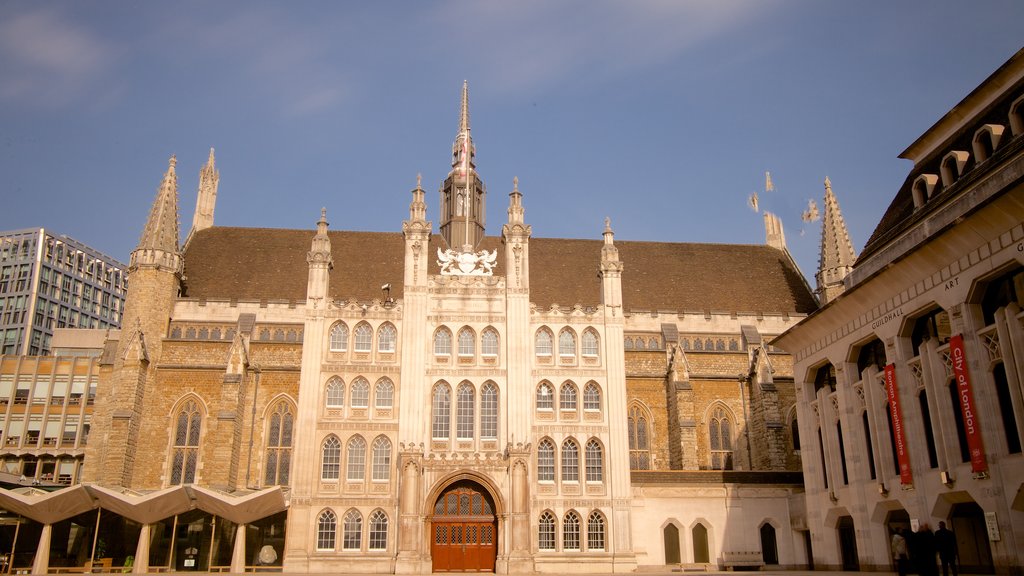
<point>570,461</point>
<point>279,445</point>
<point>542,343</point>
<point>356,470</point>
<point>640,343</point>
<point>545,396</point>
<point>360,393</point>
<point>381,459</point>
<point>698,344</point>
<point>467,342</point>
<point>442,342</point>
<point>769,545</point>
<point>442,412</point>
<point>546,461</point>
<point>353,531</point>
<point>639,446</point>
<point>465,400</point>
<point>794,432</point>
<point>384,394</point>
<point>720,439</point>
<point>546,531</point>
<point>330,467</point>
<point>595,531</point>
<point>567,396</point>
<point>185,453</point>
<point>378,530</point>
<point>589,342</point>
<point>326,530</point>
<point>594,461</point>
<point>489,342</point>
<point>335,393</point>
<point>339,337</point>
<point>363,337</point>
<point>628,343</point>
<point>566,343</point>
<point>386,337</point>
<point>489,411</point>
<point>701,552</point>
<point>571,531</point>
<point>592,396</point>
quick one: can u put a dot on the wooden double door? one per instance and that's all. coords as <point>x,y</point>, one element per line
<point>464,530</point>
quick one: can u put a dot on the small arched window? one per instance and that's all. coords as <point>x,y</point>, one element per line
<point>335,393</point>
<point>185,453</point>
<point>465,401</point>
<point>378,530</point>
<point>384,394</point>
<point>489,411</point>
<point>386,337</point>
<point>590,343</point>
<point>566,343</point>
<point>442,342</point>
<point>567,396</point>
<point>353,531</point>
<point>467,342</point>
<point>489,342</point>
<point>546,531</point>
<point>546,461</point>
<point>595,531</point>
<point>279,445</point>
<point>381,459</point>
<point>571,531</point>
<point>363,336</point>
<point>326,530</point>
<point>360,393</point>
<point>542,344</point>
<point>594,461</point>
<point>441,407</point>
<point>720,439</point>
<point>639,446</point>
<point>570,461</point>
<point>356,469</point>
<point>330,459</point>
<point>545,396</point>
<point>592,397</point>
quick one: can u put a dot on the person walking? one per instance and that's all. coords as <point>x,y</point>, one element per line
<point>946,543</point>
<point>925,557</point>
<point>900,556</point>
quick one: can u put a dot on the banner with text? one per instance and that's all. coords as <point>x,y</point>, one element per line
<point>899,437</point>
<point>965,397</point>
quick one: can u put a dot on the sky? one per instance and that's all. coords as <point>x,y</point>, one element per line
<point>662,115</point>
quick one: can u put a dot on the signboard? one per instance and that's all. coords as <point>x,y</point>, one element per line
<point>969,410</point>
<point>899,437</point>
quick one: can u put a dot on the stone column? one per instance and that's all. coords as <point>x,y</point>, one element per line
<point>238,554</point>
<point>141,565</point>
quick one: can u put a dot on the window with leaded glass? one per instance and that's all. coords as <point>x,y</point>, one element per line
<point>567,396</point>
<point>595,531</point>
<point>441,407</point>
<point>335,393</point>
<point>339,337</point>
<point>720,439</point>
<point>594,461</point>
<point>566,343</point>
<point>570,461</point>
<point>546,531</point>
<point>326,530</point>
<point>386,337</point>
<point>378,530</point>
<point>592,397</point>
<point>546,461</point>
<point>442,342</point>
<point>589,342</point>
<point>545,396</point>
<point>467,342</point>
<point>489,411</point>
<point>381,459</point>
<point>639,446</point>
<point>384,393</point>
<point>360,393</point>
<point>542,343</point>
<point>489,342</point>
<point>363,338</point>
<point>571,531</point>
<point>352,532</point>
<point>356,469</point>
<point>185,453</point>
<point>279,445</point>
<point>330,457</point>
<point>465,400</point>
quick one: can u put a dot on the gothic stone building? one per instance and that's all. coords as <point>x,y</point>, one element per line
<point>336,401</point>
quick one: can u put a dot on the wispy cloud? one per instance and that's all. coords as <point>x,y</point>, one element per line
<point>47,59</point>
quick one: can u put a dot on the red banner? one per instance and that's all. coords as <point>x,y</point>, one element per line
<point>899,437</point>
<point>965,396</point>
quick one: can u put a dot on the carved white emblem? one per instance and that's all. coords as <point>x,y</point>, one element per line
<point>454,263</point>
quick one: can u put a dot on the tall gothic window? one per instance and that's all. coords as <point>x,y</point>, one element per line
<point>639,445</point>
<point>335,393</point>
<point>185,453</point>
<point>589,342</point>
<point>545,396</point>
<point>356,470</point>
<point>442,342</point>
<point>326,530</point>
<point>566,343</point>
<point>386,337</point>
<point>567,397</point>
<point>353,531</point>
<point>279,445</point>
<point>542,343</point>
<point>339,337</point>
<point>465,400</point>
<point>489,411</point>
<point>594,461</point>
<point>595,531</point>
<point>360,393</point>
<point>720,439</point>
<point>384,393</point>
<point>546,461</point>
<point>571,531</point>
<point>363,336</point>
<point>441,408</point>
<point>330,466</point>
<point>467,342</point>
<point>592,396</point>
<point>570,461</point>
<point>489,342</point>
<point>381,459</point>
<point>546,531</point>
<point>378,530</point>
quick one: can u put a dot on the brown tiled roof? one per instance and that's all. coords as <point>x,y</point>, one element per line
<point>270,264</point>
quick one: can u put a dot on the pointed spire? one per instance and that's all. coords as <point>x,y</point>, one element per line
<point>206,198</point>
<point>516,211</point>
<point>464,115</point>
<point>463,195</point>
<point>837,255</point>
<point>321,242</point>
<point>463,150</point>
<point>609,253</point>
<point>418,206</point>
<point>158,245</point>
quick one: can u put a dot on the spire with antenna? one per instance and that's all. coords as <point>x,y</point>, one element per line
<point>837,255</point>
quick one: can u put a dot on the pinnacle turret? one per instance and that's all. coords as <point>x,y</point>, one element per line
<point>206,198</point>
<point>837,255</point>
<point>158,246</point>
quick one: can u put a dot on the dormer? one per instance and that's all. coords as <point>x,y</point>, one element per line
<point>952,166</point>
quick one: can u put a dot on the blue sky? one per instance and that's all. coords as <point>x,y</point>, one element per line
<point>663,116</point>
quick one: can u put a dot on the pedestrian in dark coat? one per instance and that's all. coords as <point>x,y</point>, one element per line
<point>946,543</point>
<point>925,558</point>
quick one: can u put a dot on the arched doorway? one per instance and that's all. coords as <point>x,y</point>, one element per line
<point>671,535</point>
<point>769,545</point>
<point>967,521</point>
<point>464,529</point>
<point>848,544</point>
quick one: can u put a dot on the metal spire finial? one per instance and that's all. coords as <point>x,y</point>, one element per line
<point>464,113</point>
